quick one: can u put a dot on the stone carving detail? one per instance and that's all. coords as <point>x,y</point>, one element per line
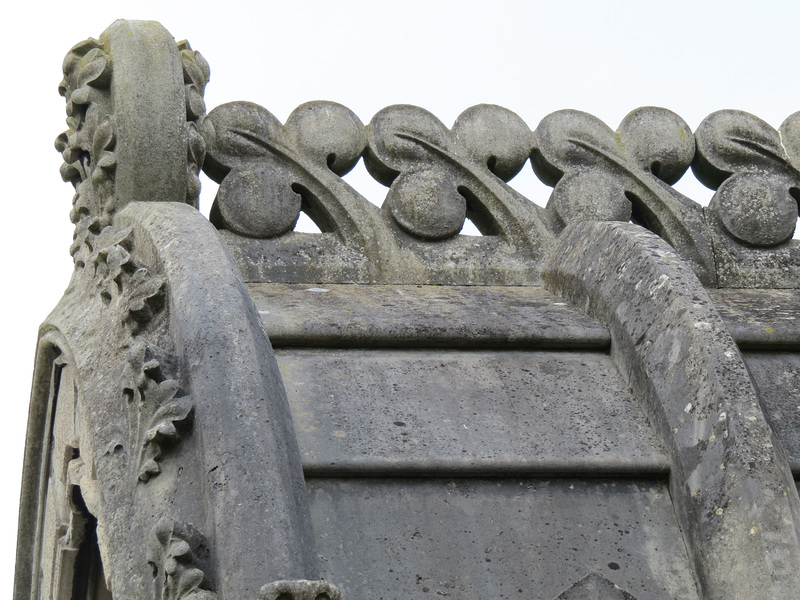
<point>300,589</point>
<point>118,276</point>
<point>269,172</point>
<point>178,555</point>
<point>90,144</point>
<point>196,74</point>
<point>756,172</point>
<point>102,252</point>
<point>151,384</point>
<point>602,175</point>
<point>594,587</point>
<point>439,177</point>
<point>172,414</point>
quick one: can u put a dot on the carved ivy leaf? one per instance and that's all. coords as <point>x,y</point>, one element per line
<point>143,294</point>
<point>757,182</point>
<point>82,246</point>
<point>438,177</point>
<point>177,555</point>
<point>111,259</point>
<point>164,429</point>
<point>93,69</point>
<point>730,141</point>
<point>143,372</point>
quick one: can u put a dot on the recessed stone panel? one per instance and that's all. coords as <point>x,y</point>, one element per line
<point>477,412</point>
<point>512,538</point>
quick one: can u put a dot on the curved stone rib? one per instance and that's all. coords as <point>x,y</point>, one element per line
<point>255,490</point>
<point>222,457</point>
<point>734,493</point>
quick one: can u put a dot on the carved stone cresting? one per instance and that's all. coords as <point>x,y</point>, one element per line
<point>135,357</point>
<point>439,177</point>
<point>178,554</point>
<point>755,171</point>
<point>601,175</point>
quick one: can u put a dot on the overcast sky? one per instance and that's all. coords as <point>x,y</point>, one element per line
<point>605,58</point>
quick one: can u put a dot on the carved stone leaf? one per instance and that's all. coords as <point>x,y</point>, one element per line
<point>143,294</point>
<point>659,141</point>
<point>327,133</point>
<point>494,136</point>
<point>94,68</point>
<point>242,130</point>
<point>177,555</point>
<point>400,138</point>
<point>733,140</point>
<point>163,430</point>
<point>571,139</point>
<point>111,236</point>
<point>743,158</point>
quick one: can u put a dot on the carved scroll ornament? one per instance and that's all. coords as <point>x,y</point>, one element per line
<point>438,177</point>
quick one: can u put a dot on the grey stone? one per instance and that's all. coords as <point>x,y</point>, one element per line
<point>594,587</point>
<point>234,409</point>
<point>423,316</point>
<point>485,538</point>
<point>754,211</point>
<point>434,413</point>
<point>765,319</point>
<point>601,175</point>
<point>730,479</point>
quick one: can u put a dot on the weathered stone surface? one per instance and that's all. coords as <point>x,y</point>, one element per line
<point>760,319</point>
<point>460,413</point>
<point>601,175</point>
<point>754,212</point>
<point>190,371</point>
<point>594,587</point>
<point>731,483</point>
<point>490,538</point>
<point>776,376</point>
<point>422,316</point>
<point>439,177</point>
<point>432,421</point>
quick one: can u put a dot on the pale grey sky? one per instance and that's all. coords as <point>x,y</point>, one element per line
<point>605,58</point>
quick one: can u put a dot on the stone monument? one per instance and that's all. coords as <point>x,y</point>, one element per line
<point>595,399</point>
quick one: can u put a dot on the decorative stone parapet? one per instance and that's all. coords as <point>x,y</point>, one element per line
<point>439,177</point>
<point>479,386</point>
